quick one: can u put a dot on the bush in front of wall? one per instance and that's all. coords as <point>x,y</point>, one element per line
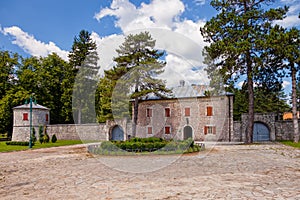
<point>33,135</point>
<point>17,143</point>
<point>53,138</point>
<point>41,135</point>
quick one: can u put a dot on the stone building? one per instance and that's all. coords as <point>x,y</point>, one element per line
<point>21,121</point>
<point>189,113</point>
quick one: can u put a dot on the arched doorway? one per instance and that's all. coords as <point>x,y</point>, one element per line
<point>117,133</point>
<point>261,132</point>
<point>187,132</point>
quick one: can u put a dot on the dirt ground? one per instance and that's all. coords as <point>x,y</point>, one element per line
<point>265,171</point>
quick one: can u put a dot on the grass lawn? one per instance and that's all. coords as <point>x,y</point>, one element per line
<point>291,143</point>
<point>37,145</point>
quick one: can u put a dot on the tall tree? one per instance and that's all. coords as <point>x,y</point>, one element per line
<point>8,64</point>
<point>112,104</point>
<point>139,60</point>
<point>237,42</point>
<point>84,60</point>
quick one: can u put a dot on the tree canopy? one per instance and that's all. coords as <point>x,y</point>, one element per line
<point>237,37</point>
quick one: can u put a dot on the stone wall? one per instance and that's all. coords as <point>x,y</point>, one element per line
<point>237,130</point>
<point>86,132</point>
<point>279,129</point>
<point>285,130</point>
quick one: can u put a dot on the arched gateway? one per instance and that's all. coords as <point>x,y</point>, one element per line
<point>117,133</point>
<point>187,132</point>
<point>261,132</point>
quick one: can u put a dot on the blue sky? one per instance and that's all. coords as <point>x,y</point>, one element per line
<point>39,27</point>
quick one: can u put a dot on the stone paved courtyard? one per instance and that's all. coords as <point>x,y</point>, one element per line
<point>266,171</point>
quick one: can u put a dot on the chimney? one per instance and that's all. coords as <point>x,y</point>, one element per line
<point>181,82</point>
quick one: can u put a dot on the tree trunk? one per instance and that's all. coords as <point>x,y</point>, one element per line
<point>79,116</point>
<point>135,116</point>
<point>249,133</point>
<point>294,105</point>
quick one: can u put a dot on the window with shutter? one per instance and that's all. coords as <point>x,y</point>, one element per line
<point>25,116</point>
<point>167,112</point>
<point>187,112</point>
<point>209,111</point>
<point>149,112</point>
<point>167,130</point>
<point>149,130</point>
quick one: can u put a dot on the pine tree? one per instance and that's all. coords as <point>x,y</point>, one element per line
<point>84,61</point>
<point>237,37</point>
<point>135,73</point>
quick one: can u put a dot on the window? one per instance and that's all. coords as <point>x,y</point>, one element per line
<point>209,130</point>
<point>25,116</point>
<point>167,112</point>
<point>167,130</point>
<point>187,112</point>
<point>209,111</point>
<point>47,117</point>
<point>149,130</point>
<point>149,112</point>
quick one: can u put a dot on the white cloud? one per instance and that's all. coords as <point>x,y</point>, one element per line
<point>159,13</point>
<point>292,18</point>
<point>32,46</point>
<point>178,68</point>
<point>181,38</point>
<point>106,47</point>
<point>199,2</point>
<point>286,84</point>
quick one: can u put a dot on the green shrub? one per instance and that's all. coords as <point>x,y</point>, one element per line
<point>41,135</point>
<point>53,138</point>
<point>18,143</point>
<point>33,136</point>
<point>46,138</point>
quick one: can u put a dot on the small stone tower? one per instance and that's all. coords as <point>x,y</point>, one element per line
<point>21,123</point>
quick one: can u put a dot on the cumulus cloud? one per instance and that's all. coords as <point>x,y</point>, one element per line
<point>292,18</point>
<point>31,45</point>
<point>181,38</point>
<point>106,47</point>
<point>179,68</point>
<point>158,13</point>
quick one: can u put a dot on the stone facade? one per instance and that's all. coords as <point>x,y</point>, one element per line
<point>208,118</point>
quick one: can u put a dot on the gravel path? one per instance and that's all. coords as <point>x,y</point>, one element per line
<point>268,171</point>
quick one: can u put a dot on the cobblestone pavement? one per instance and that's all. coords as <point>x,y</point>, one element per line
<point>268,171</point>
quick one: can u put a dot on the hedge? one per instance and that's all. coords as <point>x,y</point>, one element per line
<point>18,143</point>
<point>148,145</point>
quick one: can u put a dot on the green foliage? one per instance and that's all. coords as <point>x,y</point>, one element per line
<point>291,143</point>
<point>148,145</point>
<point>33,136</point>
<point>53,138</point>
<point>84,60</point>
<point>41,134</point>
<point>46,138</point>
<point>239,37</point>
<point>7,148</point>
<point>17,143</point>
<point>266,100</point>
<point>133,77</point>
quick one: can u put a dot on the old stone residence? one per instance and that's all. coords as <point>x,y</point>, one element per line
<point>188,114</point>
